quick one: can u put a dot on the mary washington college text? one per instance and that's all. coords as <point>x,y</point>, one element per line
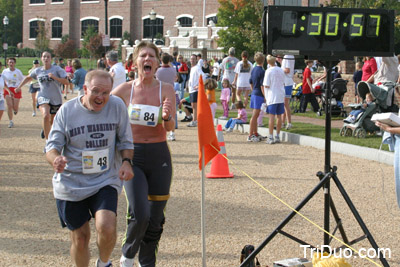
<point>347,252</point>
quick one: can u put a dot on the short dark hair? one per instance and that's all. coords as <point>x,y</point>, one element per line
<point>165,58</point>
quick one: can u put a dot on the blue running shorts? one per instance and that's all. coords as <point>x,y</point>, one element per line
<point>276,109</point>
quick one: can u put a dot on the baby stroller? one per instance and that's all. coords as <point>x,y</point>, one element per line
<point>296,96</point>
<point>338,88</point>
<point>383,95</point>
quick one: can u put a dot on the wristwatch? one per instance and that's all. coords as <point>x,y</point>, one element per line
<point>169,118</point>
<point>128,160</point>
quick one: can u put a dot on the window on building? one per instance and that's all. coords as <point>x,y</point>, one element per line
<point>34,28</point>
<point>214,18</point>
<point>185,22</point>
<point>148,27</point>
<point>288,2</point>
<point>89,22</point>
<point>116,28</point>
<point>53,1</point>
<point>37,1</point>
<point>313,3</point>
<point>56,29</point>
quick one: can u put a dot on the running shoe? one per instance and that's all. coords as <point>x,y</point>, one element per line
<point>34,114</point>
<point>233,106</point>
<point>15,112</point>
<point>222,118</point>
<point>289,126</point>
<point>125,262</point>
<point>249,138</point>
<point>229,130</point>
<point>11,124</point>
<point>277,139</point>
<point>270,141</point>
<point>171,137</point>
<point>42,134</point>
<point>187,119</point>
<point>255,138</point>
<point>109,264</point>
<point>192,124</point>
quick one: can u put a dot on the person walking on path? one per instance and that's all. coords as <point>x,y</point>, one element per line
<point>308,90</point>
<point>49,97</point>
<point>274,90</point>
<point>257,96</point>
<point>151,110</point>
<point>13,77</point>
<point>85,155</point>
<point>34,87</point>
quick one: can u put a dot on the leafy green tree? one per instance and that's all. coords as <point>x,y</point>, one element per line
<point>243,19</point>
<point>13,10</point>
<point>42,40</point>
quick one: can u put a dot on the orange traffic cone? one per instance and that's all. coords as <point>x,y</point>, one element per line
<point>219,165</point>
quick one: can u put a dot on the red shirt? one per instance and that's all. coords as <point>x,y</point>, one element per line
<point>306,87</point>
<point>183,67</point>
<point>368,69</point>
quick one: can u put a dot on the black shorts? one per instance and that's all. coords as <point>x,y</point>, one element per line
<point>54,108</point>
<point>74,214</point>
<point>193,97</point>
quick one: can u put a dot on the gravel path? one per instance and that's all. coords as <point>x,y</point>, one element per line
<point>238,211</point>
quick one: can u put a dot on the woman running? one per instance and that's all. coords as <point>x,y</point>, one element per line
<point>151,108</point>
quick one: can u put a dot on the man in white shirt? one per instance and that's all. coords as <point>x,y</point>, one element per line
<point>287,65</point>
<point>117,70</point>
<point>195,73</point>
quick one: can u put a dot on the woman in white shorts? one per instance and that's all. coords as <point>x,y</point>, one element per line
<point>242,77</point>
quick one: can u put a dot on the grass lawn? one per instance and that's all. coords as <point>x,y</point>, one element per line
<point>25,63</point>
<point>307,129</point>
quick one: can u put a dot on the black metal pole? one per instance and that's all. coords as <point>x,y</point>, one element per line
<point>152,30</point>
<point>327,167</point>
<point>5,50</point>
<point>320,185</point>
<point>106,18</point>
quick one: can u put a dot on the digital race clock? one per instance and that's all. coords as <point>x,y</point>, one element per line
<point>333,32</point>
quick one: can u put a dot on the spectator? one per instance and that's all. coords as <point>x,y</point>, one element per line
<point>79,75</point>
<point>195,73</point>
<point>117,70</point>
<point>308,90</point>
<point>210,85</point>
<point>228,66</point>
<point>274,91</point>
<point>224,97</point>
<point>240,119</point>
<point>257,96</point>
<point>287,65</point>
<point>368,70</point>
<point>242,76</point>
<point>357,78</point>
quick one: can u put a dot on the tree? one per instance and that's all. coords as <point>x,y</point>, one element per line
<point>13,10</point>
<point>66,49</point>
<point>42,41</point>
<point>243,19</point>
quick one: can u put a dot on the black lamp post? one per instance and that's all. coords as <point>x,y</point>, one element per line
<point>106,11</point>
<point>153,16</point>
<point>106,22</point>
<point>5,45</point>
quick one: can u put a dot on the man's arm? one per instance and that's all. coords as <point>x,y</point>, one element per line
<point>126,170</point>
<point>56,160</point>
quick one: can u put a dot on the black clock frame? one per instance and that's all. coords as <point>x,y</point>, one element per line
<point>334,47</point>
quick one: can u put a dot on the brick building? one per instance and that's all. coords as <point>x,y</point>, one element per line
<point>73,17</point>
